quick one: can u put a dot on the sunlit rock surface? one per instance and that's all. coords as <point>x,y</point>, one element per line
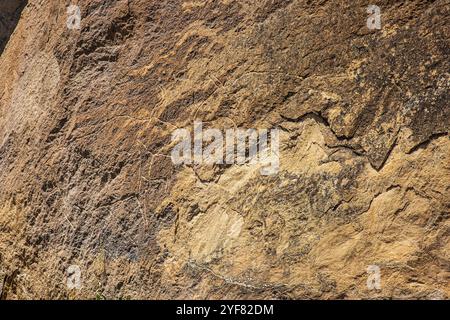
<point>86,179</point>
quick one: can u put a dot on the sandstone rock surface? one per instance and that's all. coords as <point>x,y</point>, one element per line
<point>86,179</point>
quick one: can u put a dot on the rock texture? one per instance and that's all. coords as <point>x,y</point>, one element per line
<point>86,118</point>
<point>9,16</point>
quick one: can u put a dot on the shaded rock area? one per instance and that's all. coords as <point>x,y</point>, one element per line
<point>86,179</point>
<point>9,16</point>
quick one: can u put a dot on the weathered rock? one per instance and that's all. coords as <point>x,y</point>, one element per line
<point>86,118</point>
<point>9,16</point>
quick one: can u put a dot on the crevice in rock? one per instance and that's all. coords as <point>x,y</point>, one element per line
<point>425,143</point>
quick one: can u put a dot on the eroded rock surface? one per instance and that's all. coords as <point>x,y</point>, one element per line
<point>9,16</point>
<point>86,179</point>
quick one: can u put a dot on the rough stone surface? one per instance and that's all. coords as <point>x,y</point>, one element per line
<point>86,118</point>
<point>9,15</point>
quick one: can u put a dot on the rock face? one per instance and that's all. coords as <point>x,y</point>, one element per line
<point>86,178</point>
<point>9,16</point>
